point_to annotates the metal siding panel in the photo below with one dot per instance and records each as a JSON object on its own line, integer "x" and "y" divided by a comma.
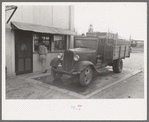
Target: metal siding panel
{"x": 18, "y": 14}
{"x": 36, "y": 14}
{"x": 43, "y": 15}
{"x": 27, "y": 14}
{"x": 47, "y": 15}
{"x": 61, "y": 16}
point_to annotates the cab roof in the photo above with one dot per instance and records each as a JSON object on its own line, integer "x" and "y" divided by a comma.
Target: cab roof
{"x": 90, "y": 37}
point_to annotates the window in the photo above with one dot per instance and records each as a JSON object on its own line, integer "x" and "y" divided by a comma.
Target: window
{"x": 46, "y": 41}
{"x": 44, "y": 37}
{"x": 86, "y": 44}
{"x": 35, "y": 42}
{"x": 110, "y": 41}
{"x": 60, "y": 42}
{"x": 52, "y": 42}
{"x": 103, "y": 41}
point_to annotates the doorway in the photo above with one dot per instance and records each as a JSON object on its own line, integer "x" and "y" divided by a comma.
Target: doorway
{"x": 23, "y": 52}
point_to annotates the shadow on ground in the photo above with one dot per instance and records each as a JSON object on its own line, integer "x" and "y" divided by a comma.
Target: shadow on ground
{"x": 71, "y": 83}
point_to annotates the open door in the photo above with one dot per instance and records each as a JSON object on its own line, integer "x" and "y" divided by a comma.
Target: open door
{"x": 23, "y": 52}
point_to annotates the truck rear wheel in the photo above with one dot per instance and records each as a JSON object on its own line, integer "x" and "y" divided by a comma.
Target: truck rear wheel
{"x": 56, "y": 75}
{"x": 118, "y": 66}
{"x": 86, "y": 76}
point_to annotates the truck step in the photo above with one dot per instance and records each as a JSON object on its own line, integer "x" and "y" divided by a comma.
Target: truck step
{"x": 101, "y": 70}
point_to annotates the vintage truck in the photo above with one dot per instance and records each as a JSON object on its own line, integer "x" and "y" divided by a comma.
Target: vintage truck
{"x": 90, "y": 53}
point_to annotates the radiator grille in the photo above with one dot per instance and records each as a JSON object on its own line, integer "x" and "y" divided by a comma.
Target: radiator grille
{"x": 68, "y": 60}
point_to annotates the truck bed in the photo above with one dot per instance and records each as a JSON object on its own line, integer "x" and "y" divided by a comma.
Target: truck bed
{"x": 110, "y": 48}
{"x": 118, "y": 51}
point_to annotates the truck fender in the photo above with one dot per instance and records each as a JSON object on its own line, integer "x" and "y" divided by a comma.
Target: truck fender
{"x": 80, "y": 66}
{"x": 54, "y": 62}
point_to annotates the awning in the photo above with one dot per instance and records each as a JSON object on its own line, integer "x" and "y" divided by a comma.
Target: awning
{"x": 40, "y": 28}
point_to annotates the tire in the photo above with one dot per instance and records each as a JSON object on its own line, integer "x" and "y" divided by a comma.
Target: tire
{"x": 56, "y": 75}
{"x": 86, "y": 76}
{"x": 114, "y": 69}
{"x": 118, "y": 66}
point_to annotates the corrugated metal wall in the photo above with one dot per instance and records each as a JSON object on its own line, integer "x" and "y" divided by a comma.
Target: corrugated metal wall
{"x": 54, "y": 16}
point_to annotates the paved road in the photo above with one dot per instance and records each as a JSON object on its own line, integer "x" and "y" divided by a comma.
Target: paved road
{"x": 132, "y": 87}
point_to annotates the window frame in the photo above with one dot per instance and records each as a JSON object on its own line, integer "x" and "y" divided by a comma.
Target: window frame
{"x": 65, "y": 39}
{"x": 51, "y": 42}
{"x": 47, "y": 35}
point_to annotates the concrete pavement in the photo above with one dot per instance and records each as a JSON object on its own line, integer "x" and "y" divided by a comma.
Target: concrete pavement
{"x": 42, "y": 86}
{"x": 105, "y": 85}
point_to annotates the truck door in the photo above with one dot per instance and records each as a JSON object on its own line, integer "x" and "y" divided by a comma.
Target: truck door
{"x": 100, "y": 51}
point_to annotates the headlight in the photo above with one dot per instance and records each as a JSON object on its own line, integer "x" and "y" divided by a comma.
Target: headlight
{"x": 60, "y": 55}
{"x": 76, "y": 57}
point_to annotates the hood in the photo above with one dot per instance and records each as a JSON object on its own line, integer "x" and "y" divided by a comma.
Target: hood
{"x": 82, "y": 50}
{"x": 84, "y": 53}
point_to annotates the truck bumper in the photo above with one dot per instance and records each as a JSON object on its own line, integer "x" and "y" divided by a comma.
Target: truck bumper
{"x": 72, "y": 72}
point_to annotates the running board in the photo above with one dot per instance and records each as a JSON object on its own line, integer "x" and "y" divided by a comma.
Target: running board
{"x": 101, "y": 70}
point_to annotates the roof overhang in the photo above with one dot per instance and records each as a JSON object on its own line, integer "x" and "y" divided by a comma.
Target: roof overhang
{"x": 10, "y": 7}
{"x": 40, "y": 28}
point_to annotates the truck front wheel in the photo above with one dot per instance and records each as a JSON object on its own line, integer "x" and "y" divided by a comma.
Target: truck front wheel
{"x": 86, "y": 76}
{"x": 118, "y": 66}
{"x": 56, "y": 75}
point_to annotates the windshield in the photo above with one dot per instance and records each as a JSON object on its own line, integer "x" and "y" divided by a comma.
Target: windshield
{"x": 86, "y": 44}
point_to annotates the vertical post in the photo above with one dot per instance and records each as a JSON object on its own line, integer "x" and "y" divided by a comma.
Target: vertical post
{"x": 71, "y": 24}
{"x": 52, "y": 15}
{"x": 52, "y": 43}
{"x": 67, "y": 41}
{"x": 112, "y": 54}
{"x": 119, "y": 52}
{"x": 104, "y": 53}
{"x": 33, "y": 38}
{"x": 125, "y": 52}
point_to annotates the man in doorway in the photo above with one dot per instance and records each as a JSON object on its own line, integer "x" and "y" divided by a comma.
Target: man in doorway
{"x": 42, "y": 50}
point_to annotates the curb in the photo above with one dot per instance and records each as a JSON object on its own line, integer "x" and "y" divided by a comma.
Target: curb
{"x": 127, "y": 76}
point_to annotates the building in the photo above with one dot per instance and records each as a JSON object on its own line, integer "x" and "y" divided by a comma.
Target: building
{"x": 133, "y": 43}
{"x": 26, "y": 24}
{"x": 140, "y": 43}
{"x": 100, "y": 34}
{"x": 137, "y": 43}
